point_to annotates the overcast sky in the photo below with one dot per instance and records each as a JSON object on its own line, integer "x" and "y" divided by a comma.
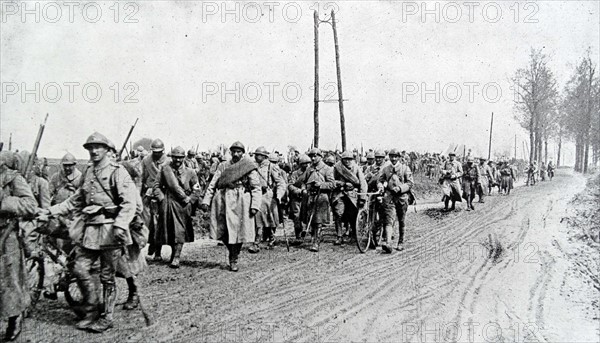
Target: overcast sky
{"x": 172, "y": 63}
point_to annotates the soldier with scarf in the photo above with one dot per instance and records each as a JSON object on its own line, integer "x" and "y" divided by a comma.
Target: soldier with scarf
{"x": 234, "y": 196}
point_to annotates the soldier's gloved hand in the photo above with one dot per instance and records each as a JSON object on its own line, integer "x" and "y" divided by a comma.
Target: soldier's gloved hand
{"x": 119, "y": 234}
{"x": 339, "y": 184}
{"x": 253, "y": 212}
{"x": 361, "y": 203}
{"x": 187, "y": 200}
{"x": 204, "y": 207}
{"x": 317, "y": 184}
{"x": 304, "y": 192}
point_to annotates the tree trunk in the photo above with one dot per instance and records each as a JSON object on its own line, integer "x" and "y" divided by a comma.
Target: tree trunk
{"x": 531, "y": 140}
{"x": 559, "y": 148}
{"x": 545, "y": 150}
{"x": 586, "y": 153}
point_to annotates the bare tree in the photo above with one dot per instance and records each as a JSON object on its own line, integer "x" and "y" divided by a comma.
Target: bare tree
{"x": 581, "y": 104}
{"x": 535, "y": 101}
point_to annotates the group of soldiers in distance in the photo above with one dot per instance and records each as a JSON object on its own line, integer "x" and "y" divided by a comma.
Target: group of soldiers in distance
{"x": 108, "y": 211}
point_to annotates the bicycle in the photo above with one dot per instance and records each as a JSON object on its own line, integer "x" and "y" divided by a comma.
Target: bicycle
{"x": 366, "y": 221}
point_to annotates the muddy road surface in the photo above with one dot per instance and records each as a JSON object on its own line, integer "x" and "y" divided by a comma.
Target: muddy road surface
{"x": 510, "y": 271}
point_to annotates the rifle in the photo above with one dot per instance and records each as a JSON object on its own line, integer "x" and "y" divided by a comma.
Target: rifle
{"x": 126, "y": 140}
{"x": 10, "y": 142}
{"x": 36, "y": 146}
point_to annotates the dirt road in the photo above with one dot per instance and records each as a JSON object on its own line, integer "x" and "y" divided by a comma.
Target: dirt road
{"x": 506, "y": 272}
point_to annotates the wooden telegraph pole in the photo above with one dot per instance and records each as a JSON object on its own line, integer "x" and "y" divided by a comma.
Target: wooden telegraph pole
{"x": 339, "y": 81}
{"x": 515, "y": 147}
{"x": 316, "y": 106}
{"x": 490, "y": 144}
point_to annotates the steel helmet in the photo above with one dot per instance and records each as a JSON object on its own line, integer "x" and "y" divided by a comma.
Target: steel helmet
{"x": 261, "y": 151}
{"x": 191, "y": 153}
{"x": 347, "y": 155}
{"x": 97, "y": 138}
{"x": 315, "y": 151}
{"x": 157, "y": 145}
{"x": 330, "y": 159}
{"x": 304, "y": 159}
{"x": 394, "y": 152}
{"x": 379, "y": 153}
{"x": 68, "y": 159}
{"x": 370, "y": 156}
{"x": 177, "y": 152}
{"x": 238, "y": 145}
{"x": 273, "y": 158}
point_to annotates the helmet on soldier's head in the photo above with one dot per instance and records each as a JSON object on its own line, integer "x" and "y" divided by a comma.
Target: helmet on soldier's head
{"x": 363, "y": 160}
{"x": 304, "y": 159}
{"x": 97, "y": 138}
{"x": 394, "y": 152}
{"x": 68, "y": 159}
{"x": 273, "y": 158}
{"x": 470, "y": 159}
{"x": 315, "y": 151}
{"x": 329, "y": 159}
{"x": 157, "y": 145}
{"x": 370, "y": 155}
{"x": 7, "y": 158}
{"x": 379, "y": 153}
{"x": 140, "y": 149}
{"x": 261, "y": 151}
{"x": 451, "y": 154}
{"x": 347, "y": 155}
{"x": 191, "y": 153}
{"x": 111, "y": 146}
{"x": 238, "y": 145}
{"x": 177, "y": 152}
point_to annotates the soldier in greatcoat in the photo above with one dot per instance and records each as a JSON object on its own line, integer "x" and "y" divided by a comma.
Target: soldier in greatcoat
{"x": 273, "y": 189}
{"x": 177, "y": 192}
{"x": 234, "y": 197}
{"x": 151, "y": 165}
{"x": 450, "y": 181}
{"x": 297, "y": 197}
{"x": 16, "y": 200}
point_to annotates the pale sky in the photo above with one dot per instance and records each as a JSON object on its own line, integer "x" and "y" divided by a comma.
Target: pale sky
{"x": 178, "y": 56}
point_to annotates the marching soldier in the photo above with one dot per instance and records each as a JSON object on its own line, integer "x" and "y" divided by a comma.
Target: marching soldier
{"x": 107, "y": 199}
{"x": 190, "y": 161}
{"x": 396, "y": 181}
{"x": 297, "y": 196}
{"x": 66, "y": 181}
{"x": 349, "y": 179}
{"x": 318, "y": 182}
{"x": 469, "y": 182}
{"x": 273, "y": 190}
{"x": 485, "y": 178}
{"x": 16, "y": 200}
{"x": 329, "y": 160}
{"x": 372, "y": 173}
{"x": 151, "y": 165}
{"x": 234, "y": 196}
{"x": 450, "y": 181}
{"x": 176, "y": 189}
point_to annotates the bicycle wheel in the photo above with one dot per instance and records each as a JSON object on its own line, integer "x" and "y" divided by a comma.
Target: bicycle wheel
{"x": 35, "y": 278}
{"x": 363, "y": 230}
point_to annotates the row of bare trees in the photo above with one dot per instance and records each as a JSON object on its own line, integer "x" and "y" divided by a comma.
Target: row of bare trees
{"x": 550, "y": 115}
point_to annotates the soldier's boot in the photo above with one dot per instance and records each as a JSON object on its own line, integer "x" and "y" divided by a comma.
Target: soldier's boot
{"x": 446, "y": 201}
{"x": 106, "y": 320}
{"x": 175, "y": 255}
{"x": 157, "y": 253}
{"x": 255, "y": 248}
{"x": 316, "y": 239}
{"x": 88, "y": 291}
{"x": 133, "y": 299}
{"x": 13, "y": 330}
{"x": 338, "y": 232}
{"x": 270, "y": 237}
{"x": 388, "y": 246}
{"x": 233, "y": 257}
{"x": 453, "y": 207}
